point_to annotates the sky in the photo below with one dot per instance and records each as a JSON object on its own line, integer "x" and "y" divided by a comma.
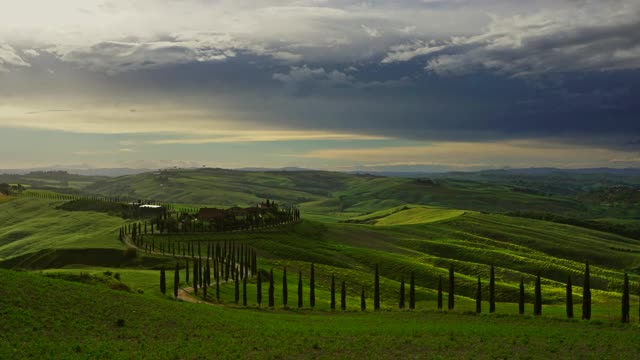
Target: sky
{"x": 409, "y": 85}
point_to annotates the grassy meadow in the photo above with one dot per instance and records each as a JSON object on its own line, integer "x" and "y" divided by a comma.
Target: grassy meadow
{"x": 99, "y": 322}
{"x": 351, "y": 223}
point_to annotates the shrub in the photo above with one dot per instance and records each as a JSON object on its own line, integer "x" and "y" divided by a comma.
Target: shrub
{"x": 130, "y": 252}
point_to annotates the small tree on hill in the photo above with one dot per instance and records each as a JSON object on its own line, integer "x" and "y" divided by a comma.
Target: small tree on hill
{"x": 625, "y": 299}
{"x": 163, "y": 284}
{"x": 492, "y": 290}
{"x": 244, "y": 291}
{"x": 479, "y": 297}
{"x": 521, "y": 297}
{"x": 343, "y": 297}
{"x": 333, "y": 292}
{"x": 363, "y": 301}
{"x": 451, "y": 299}
{"x": 376, "y": 290}
{"x": 537, "y": 306}
{"x": 272, "y": 302}
{"x": 440, "y": 292}
{"x": 176, "y": 281}
{"x": 312, "y": 288}
{"x": 401, "y": 302}
{"x": 412, "y": 291}
{"x": 569, "y": 298}
{"x": 259, "y": 290}
{"x": 299, "y": 289}
{"x": 586, "y": 294}
{"x": 285, "y": 290}
{"x": 237, "y": 288}
{"x": 195, "y": 276}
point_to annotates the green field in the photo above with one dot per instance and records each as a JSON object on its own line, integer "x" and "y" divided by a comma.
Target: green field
{"x": 88, "y": 328}
{"x": 351, "y": 224}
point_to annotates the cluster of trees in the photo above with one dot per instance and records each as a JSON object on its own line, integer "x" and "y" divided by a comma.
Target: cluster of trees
{"x": 10, "y": 189}
{"x": 537, "y": 303}
{"x": 184, "y": 223}
{"x": 224, "y": 262}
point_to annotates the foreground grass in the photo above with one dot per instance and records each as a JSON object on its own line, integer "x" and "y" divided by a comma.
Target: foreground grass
{"x": 34, "y": 326}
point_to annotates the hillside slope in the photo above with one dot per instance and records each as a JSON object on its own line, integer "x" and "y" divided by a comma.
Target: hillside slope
{"x": 98, "y": 322}
{"x": 325, "y": 193}
{"x": 29, "y": 225}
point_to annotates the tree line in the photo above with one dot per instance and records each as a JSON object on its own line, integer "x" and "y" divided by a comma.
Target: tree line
{"x": 402, "y": 301}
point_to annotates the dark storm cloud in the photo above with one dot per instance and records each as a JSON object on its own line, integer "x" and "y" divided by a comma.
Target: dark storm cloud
{"x": 427, "y": 70}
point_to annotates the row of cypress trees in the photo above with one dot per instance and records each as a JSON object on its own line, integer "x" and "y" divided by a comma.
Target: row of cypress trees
{"x": 537, "y": 305}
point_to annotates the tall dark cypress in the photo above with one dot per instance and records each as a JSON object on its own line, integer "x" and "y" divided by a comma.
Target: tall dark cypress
{"x": 401, "y": 302}
{"x": 537, "y": 306}
{"x": 492, "y": 290}
{"x": 217, "y": 285}
{"x": 195, "y": 276}
{"x": 569, "y": 298}
{"x": 176, "y": 281}
{"x": 363, "y": 301}
{"x": 244, "y": 291}
{"x": 259, "y": 290}
{"x": 343, "y": 297}
{"x": 312, "y": 288}
{"x": 163, "y": 284}
{"x": 451, "y": 298}
{"x": 625, "y": 299}
{"x": 186, "y": 267}
{"x": 479, "y": 297}
{"x": 237, "y": 289}
{"x": 586, "y": 294}
{"x": 376, "y": 290}
{"x": 272, "y": 302}
{"x": 412, "y": 291}
{"x": 285, "y": 289}
{"x": 299, "y": 289}
{"x": 333, "y": 292}
{"x": 440, "y": 292}
{"x": 521, "y": 297}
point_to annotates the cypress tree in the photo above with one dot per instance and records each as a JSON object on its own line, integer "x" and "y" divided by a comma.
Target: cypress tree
{"x": 218, "y": 288}
{"x": 312, "y": 288}
{"x": 333, "y": 292}
{"x": 237, "y": 289}
{"x": 492, "y": 291}
{"x": 176, "y": 281}
{"x": 163, "y": 285}
{"x": 204, "y": 292}
{"x": 285, "y": 290}
{"x": 537, "y": 306}
{"x": 244, "y": 291}
{"x": 586, "y": 294}
{"x": 521, "y": 297}
{"x": 479, "y": 297}
{"x": 401, "y": 303}
{"x": 259, "y": 290}
{"x": 440, "y": 292}
{"x": 363, "y": 301}
{"x": 343, "y": 297}
{"x": 299, "y": 289}
{"x": 271, "y": 290}
{"x": 569, "y": 298}
{"x": 376, "y": 290}
{"x": 451, "y": 298}
{"x": 625, "y": 299}
{"x": 412, "y": 291}
{"x": 195, "y": 276}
